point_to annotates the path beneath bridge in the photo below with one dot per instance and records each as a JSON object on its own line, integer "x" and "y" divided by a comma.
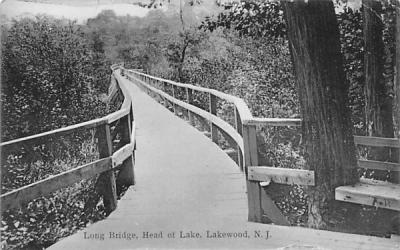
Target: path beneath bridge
{"x": 185, "y": 183}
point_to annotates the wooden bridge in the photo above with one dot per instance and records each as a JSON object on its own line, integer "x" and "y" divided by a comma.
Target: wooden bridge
{"x": 187, "y": 192}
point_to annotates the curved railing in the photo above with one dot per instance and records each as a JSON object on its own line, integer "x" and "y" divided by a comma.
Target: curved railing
{"x": 122, "y": 159}
{"x": 242, "y": 134}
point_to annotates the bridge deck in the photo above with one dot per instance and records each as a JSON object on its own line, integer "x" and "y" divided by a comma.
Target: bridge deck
{"x": 185, "y": 183}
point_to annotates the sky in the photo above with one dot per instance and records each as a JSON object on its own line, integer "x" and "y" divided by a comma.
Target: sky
{"x": 12, "y": 8}
{"x": 82, "y": 10}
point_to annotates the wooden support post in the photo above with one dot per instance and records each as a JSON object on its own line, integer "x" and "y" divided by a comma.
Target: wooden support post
{"x": 213, "y": 110}
{"x": 105, "y": 184}
{"x": 239, "y": 129}
{"x": 126, "y": 174}
{"x": 260, "y": 204}
{"x": 189, "y": 100}
{"x": 251, "y": 159}
{"x": 165, "y": 91}
{"x": 173, "y": 95}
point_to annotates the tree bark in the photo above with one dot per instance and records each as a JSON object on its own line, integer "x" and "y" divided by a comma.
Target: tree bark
{"x": 328, "y": 144}
{"x": 378, "y": 104}
{"x": 397, "y": 84}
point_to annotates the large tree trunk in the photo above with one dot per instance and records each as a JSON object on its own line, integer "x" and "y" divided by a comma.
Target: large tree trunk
{"x": 327, "y": 129}
{"x": 378, "y": 103}
{"x": 397, "y": 84}
{"x": 397, "y": 71}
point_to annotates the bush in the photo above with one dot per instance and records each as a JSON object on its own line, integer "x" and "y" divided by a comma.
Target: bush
{"x": 52, "y": 76}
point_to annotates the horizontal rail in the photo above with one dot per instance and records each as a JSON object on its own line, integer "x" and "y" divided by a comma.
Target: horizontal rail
{"x": 221, "y": 124}
{"x": 369, "y": 164}
{"x": 117, "y": 115}
{"x": 377, "y": 141}
{"x": 282, "y": 175}
{"x": 70, "y": 129}
{"x": 58, "y": 132}
{"x": 274, "y": 121}
{"x": 18, "y": 197}
{"x": 122, "y": 154}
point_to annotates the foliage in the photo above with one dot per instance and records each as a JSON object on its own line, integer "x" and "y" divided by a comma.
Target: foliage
{"x": 48, "y": 78}
{"x": 252, "y": 19}
{"x": 53, "y": 75}
{"x": 352, "y": 43}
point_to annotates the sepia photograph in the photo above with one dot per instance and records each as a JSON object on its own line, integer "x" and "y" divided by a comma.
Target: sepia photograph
{"x": 200, "y": 124}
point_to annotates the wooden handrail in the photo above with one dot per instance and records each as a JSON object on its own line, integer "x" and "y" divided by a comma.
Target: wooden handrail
{"x": 244, "y": 135}
{"x": 377, "y": 141}
{"x": 58, "y": 132}
{"x": 260, "y": 205}
{"x": 200, "y": 112}
{"x": 242, "y": 107}
{"x": 106, "y": 184}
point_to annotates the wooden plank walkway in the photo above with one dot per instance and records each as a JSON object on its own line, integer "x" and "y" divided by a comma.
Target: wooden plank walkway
{"x": 186, "y": 186}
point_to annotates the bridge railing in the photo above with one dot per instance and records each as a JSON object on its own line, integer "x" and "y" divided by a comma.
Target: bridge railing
{"x": 242, "y": 134}
{"x": 122, "y": 159}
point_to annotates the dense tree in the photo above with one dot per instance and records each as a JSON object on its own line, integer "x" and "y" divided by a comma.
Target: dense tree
{"x": 326, "y": 127}
{"x": 47, "y": 77}
{"x": 251, "y": 18}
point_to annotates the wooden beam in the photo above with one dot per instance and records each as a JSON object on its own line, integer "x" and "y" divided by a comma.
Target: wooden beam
{"x": 372, "y": 193}
{"x": 121, "y": 155}
{"x": 106, "y": 184}
{"x": 213, "y": 110}
{"x": 377, "y": 141}
{"x": 189, "y": 100}
{"x": 259, "y": 203}
{"x": 369, "y": 164}
{"x": 230, "y": 151}
{"x": 20, "y": 196}
{"x": 253, "y": 188}
{"x": 124, "y": 155}
{"x": 174, "y": 96}
{"x": 239, "y": 127}
{"x": 282, "y": 175}
{"x": 117, "y": 115}
{"x": 271, "y": 211}
{"x": 57, "y": 132}
{"x": 274, "y": 122}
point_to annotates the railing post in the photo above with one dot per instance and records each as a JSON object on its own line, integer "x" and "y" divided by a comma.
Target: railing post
{"x": 189, "y": 100}
{"x": 213, "y": 110}
{"x": 126, "y": 175}
{"x": 105, "y": 184}
{"x": 173, "y": 95}
{"x": 239, "y": 129}
{"x": 261, "y": 207}
{"x": 251, "y": 159}
{"x": 165, "y": 91}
